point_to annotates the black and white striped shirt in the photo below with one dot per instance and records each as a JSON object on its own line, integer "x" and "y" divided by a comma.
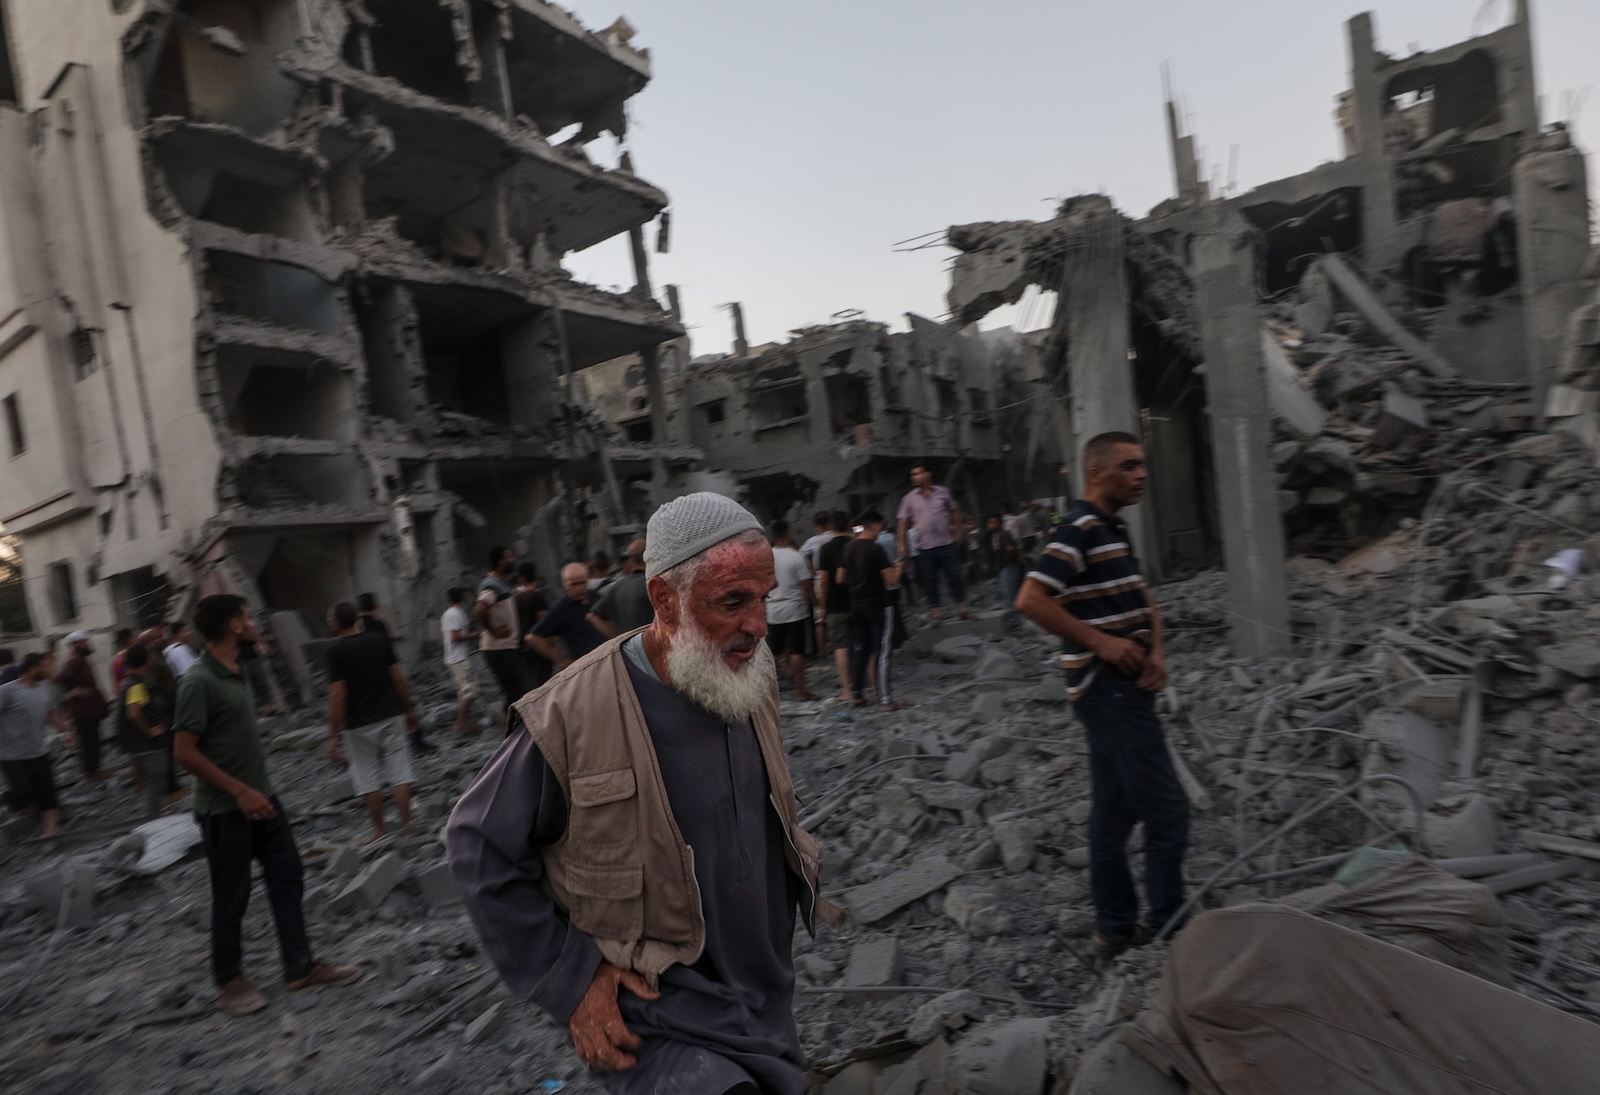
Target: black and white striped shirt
{"x": 1090, "y": 567}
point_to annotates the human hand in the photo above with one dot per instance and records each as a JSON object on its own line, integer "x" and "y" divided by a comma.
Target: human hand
{"x": 256, "y": 806}
{"x": 600, "y": 1037}
{"x": 1124, "y": 655}
{"x": 1154, "y": 676}
{"x": 335, "y": 753}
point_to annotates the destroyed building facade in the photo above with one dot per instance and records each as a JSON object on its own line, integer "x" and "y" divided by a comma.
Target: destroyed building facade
{"x": 836, "y": 417}
{"x": 284, "y": 309}
{"x": 1455, "y": 225}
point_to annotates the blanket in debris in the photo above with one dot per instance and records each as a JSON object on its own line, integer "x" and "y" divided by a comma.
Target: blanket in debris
{"x": 1263, "y": 999}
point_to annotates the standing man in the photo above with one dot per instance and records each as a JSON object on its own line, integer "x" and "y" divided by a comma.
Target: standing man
{"x": 932, "y": 511}
{"x": 370, "y": 621}
{"x": 142, "y": 718}
{"x": 179, "y": 656}
{"x": 531, "y": 607}
{"x": 867, "y": 572}
{"x": 28, "y": 706}
{"x": 567, "y": 621}
{"x": 624, "y": 605}
{"x": 456, "y": 630}
{"x": 835, "y": 598}
{"x": 822, "y": 522}
{"x": 369, "y": 714}
{"x": 241, "y": 818}
{"x": 1086, "y": 587}
{"x": 500, "y": 634}
{"x": 1002, "y": 558}
{"x": 86, "y": 704}
{"x": 632, "y": 856}
{"x": 789, "y": 605}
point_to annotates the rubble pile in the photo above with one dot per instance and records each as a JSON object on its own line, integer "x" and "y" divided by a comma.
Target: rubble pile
{"x": 1446, "y": 655}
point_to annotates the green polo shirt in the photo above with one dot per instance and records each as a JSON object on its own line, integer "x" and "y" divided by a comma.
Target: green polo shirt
{"x": 215, "y": 705}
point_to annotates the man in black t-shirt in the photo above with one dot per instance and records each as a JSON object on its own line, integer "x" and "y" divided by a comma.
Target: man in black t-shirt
{"x": 568, "y": 621}
{"x": 835, "y": 599}
{"x": 867, "y": 573}
{"x": 369, "y": 713}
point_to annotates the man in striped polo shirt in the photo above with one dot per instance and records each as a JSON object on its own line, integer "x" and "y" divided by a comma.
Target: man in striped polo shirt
{"x": 1086, "y": 587}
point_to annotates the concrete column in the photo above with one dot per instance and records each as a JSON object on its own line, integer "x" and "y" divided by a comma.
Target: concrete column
{"x": 641, "y": 261}
{"x": 651, "y": 357}
{"x": 1378, "y": 218}
{"x": 1550, "y": 186}
{"x": 1100, "y": 374}
{"x": 1241, "y": 434}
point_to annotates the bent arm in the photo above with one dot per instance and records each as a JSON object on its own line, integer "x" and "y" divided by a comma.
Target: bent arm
{"x": 186, "y": 751}
{"x": 513, "y": 809}
{"x": 1036, "y": 603}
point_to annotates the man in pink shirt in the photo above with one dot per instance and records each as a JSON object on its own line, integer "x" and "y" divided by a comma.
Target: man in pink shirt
{"x": 932, "y": 511}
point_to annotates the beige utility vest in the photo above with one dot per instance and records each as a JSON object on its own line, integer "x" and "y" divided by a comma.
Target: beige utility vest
{"x": 622, "y": 872}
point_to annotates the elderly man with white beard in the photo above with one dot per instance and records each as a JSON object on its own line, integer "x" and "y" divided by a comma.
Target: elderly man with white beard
{"x": 633, "y": 858}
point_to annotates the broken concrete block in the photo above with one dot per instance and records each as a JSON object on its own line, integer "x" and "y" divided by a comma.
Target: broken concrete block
{"x": 1580, "y": 659}
{"x": 485, "y": 1025}
{"x": 439, "y": 1076}
{"x": 1016, "y": 839}
{"x": 1402, "y": 417}
{"x": 372, "y": 885}
{"x": 981, "y": 858}
{"x": 1111, "y": 1068}
{"x": 1437, "y": 700}
{"x": 1469, "y": 832}
{"x": 989, "y": 708}
{"x": 962, "y": 768}
{"x": 977, "y": 911}
{"x": 438, "y": 886}
{"x": 345, "y": 863}
{"x": 875, "y": 962}
{"x": 995, "y": 665}
{"x": 64, "y": 884}
{"x": 949, "y": 796}
{"x": 873, "y": 901}
{"x": 1002, "y": 1058}
{"x": 1076, "y": 858}
{"x": 947, "y": 1011}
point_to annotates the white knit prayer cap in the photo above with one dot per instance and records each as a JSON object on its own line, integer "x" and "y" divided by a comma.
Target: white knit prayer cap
{"x": 686, "y": 526}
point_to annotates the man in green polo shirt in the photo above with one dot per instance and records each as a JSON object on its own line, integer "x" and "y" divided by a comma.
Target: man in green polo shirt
{"x": 215, "y": 737}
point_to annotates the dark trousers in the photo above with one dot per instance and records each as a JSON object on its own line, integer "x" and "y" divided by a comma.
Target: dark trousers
{"x": 1010, "y": 579}
{"x": 939, "y": 562}
{"x": 231, "y": 842}
{"x": 510, "y": 671}
{"x": 1132, "y": 780}
{"x": 871, "y": 633}
{"x": 88, "y": 744}
{"x": 30, "y": 784}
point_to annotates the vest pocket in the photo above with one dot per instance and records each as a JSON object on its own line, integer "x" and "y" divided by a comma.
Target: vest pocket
{"x": 608, "y": 901}
{"x": 604, "y": 811}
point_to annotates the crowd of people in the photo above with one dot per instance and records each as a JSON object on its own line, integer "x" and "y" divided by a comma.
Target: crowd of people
{"x": 631, "y": 855}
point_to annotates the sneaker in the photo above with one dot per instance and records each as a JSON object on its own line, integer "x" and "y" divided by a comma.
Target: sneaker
{"x": 1108, "y": 945}
{"x": 324, "y": 975}
{"x": 239, "y": 997}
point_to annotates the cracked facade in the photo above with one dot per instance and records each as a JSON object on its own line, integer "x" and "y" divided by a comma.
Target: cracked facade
{"x": 284, "y": 309}
{"x": 1453, "y": 214}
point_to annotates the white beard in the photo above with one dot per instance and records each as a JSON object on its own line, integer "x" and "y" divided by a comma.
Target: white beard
{"x": 699, "y": 670}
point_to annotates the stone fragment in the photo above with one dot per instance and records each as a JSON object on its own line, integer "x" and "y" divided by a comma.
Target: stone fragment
{"x": 989, "y": 708}
{"x": 994, "y": 664}
{"x": 1002, "y": 1058}
{"x": 958, "y": 648}
{"x": 962, "y": 768}
{"x": 977, "y": 911}
{"x": 1241, "y": 678}
{"x": 875, "y": 900}
{"x": 981, "y": 858}
{"x": 346, "y": 862}
{"x": 372, "y": 886}
{"x": 1402, "y": 417}
{"x": 947, "y": 1011}
{"x": 1016, "y": 839}
{"x": 481, "y": 1028}
{"x": 875, "y": 962}
{"x": 1076, "y": 858}
{"x": 64, "y": 883}
{"x": 439, "y": 1076}
{"x": 438, "y": 886}
{"x": 1580, "y": 659}
{"x": 1469, "y": 832}
{"x": 949, "y": 796}
{"x": 1438, "y": 700}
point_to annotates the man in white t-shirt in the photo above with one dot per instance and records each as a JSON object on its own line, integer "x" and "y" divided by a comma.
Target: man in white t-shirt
{"x": 812, "y": 550}
{"x": 456, "y": 629}
{"x": 789, "y": 606}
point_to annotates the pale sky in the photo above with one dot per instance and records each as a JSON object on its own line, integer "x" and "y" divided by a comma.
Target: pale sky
{"x": 800, "y": 141}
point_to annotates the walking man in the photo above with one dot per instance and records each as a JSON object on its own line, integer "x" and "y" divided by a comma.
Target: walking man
{"x": 531, "y": 607}
{"x": 457, "y": 632}
{"x": 867, "y": 573}
{"x": 1002, "y": 559}
{"x": 1086, "y": 587}
{"x": 834, "y": 597}
{"x": 369, "y": 715}
{"x": 499, "y": 634}
{"x": 142, "y": 718}
{"x": 567, "y": 623}
{"x": 624, "y": 605}
{"x": 85, "y": 703}
{"x": 822, "y": 522}
{"x": 28, "y": 707}
{"x": 179, "y": 656}
{"x": 632, "y": 856}
{"x": 241, "y": 818}
{"x": 789, "y": 605}
{"x": 931, "y": 510}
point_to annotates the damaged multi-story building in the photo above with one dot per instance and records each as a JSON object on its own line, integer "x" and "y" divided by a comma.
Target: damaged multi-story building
{"x": 837, "y": 416}
{"x": 1456, "y": 225}
{"x": 284, "y": 306}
